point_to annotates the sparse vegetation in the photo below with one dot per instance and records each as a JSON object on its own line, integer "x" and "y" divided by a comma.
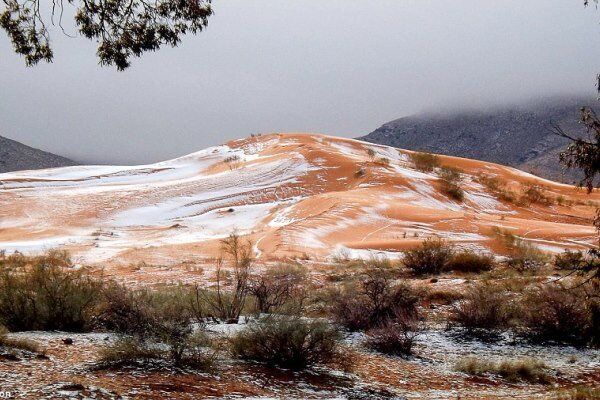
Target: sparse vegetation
{"x": 497, "y": 187}
{"x": 469, "y": 261}
{"x": 424, "y": 162}
{"x": 287, "y": 342}
{"x": 552, "y": 312}
{"x": 16, "y": 344}
{"x": 377, "y": 302}
{"x": 526, "y": 369}
{"x": 222, "y": 304}
{"x": 45, "y": 293}
{"x": 523, "y": 256}
{"x": 432, "y": 257}
{"x": 395, "y": 338}
{"x": 278, "y": 288}
{"x": 450, "y": 183}
{"x": 483, "y": 312}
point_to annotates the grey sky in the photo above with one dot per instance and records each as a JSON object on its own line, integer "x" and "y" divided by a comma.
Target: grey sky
{"x": 341, "y": 67}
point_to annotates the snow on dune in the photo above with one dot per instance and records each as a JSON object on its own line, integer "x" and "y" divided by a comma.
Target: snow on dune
{"x": 271, "y": 187}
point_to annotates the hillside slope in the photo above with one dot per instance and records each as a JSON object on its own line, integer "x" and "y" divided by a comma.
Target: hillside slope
{"x": 15, "y": 156}
{"x": 293, "y": 195}
{"x": 520, "y": 136}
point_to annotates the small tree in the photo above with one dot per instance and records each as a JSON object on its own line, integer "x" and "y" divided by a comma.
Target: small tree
{"x": 229, "y": 305}
{"x": 278, "y": 286}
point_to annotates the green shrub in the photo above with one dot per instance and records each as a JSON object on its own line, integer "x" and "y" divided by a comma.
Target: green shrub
{"x": 424, "y": 162}
{"x": 432, "y": 257}
{"x": 469, "y": 261}
{"x": 42, "y": 293}
{"x": 287, "y": 342}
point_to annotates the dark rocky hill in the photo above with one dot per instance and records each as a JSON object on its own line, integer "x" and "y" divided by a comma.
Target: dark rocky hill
{"x": 520, "y": 136}
{"x": 15, "y": 156}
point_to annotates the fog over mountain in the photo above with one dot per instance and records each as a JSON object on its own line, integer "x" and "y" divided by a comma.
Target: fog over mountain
{"x": 521, "y": 135}
{"x": 340, "y": 67}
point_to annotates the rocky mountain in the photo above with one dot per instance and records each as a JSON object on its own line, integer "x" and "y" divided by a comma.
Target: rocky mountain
{"x": 292, "y": 195}
{"x": 15, "y": 156}
{"x": 520, "y": 136}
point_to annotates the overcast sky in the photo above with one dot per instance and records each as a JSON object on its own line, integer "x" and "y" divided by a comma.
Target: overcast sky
{"x": 341, "y": 67}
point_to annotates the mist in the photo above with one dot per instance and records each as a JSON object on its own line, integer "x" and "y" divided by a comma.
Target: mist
{"x": 340, "y": 67}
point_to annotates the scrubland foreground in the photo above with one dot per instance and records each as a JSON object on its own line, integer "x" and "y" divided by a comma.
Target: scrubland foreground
{"x": 443, "y": 323}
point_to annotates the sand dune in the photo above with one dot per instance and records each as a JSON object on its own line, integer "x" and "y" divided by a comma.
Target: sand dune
{"x": 293, "y": 195}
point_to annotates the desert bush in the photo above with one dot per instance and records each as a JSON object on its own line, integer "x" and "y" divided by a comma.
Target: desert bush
{"x": 577, "y": 261}
{"x": 376, "y": 303}
{"x": 578, "y": 393}
{"x": 223, "y": 304}
{"x": 128, "y": 352}
{"x": 443, "y": 295}
{"x": 552, "y": 312}
{"x": 278, "y": 287}
{"x": 287, "y": 342}
{"x": 569, "y": 260}
{"x": 147, "y": 319}
{"x": 469, "y": 261}
{"x": 497, "y": 187}
{"x": 513, "y": 370}
{"x": 395, "y": 338}
{"x": 523, "y": 256}
{"x": 432, "y": 257}
{"x": 450, "y": 183}
{"x": 534, "y": 194}
{"x": 42, "y": 293}
{"x": 15, "y": 343}
{"x": 483, "y": 311}
{"x": 425, "y": 162}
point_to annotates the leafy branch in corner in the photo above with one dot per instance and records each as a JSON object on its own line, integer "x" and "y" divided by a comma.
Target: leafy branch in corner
{"x": 122, "y": 28}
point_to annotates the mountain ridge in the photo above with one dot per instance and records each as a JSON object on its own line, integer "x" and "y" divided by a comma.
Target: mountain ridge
{"x": 16, "y": 156}
{"x": 519, "y": 135}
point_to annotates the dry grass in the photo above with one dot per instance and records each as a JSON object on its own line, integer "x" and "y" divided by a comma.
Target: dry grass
{"x": 513, "y": 370}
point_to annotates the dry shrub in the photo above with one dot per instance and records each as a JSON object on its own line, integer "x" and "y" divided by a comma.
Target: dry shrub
{"x": 483, "y": 312}
{"x": 443, "y": 295}
{"x": 579, "y": 393}
{"x": 223, "y": 304}
{"x": 287, "y": 342}
{"x": 534, "y": 194}
{"x": 18, "y": 344}
{"x": 424, "y": 162}
{"x": 450, "y": 183}
{"x": 376, "y": 303}
{"x": 552, "y": 312}
{"x": 128, "y": 352}
{"x": 42, "y": 293}
{"x": 395, "y": 338}
{"x": 577, "y": 261}
{"x": 432, "y": 257}
{"x": 516, "y": 370}
{"x": 278, "y": 288}
{"x": 497, "y": 187}
{"x": 523, "y": 256}
{"x": 469, "y": 261}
